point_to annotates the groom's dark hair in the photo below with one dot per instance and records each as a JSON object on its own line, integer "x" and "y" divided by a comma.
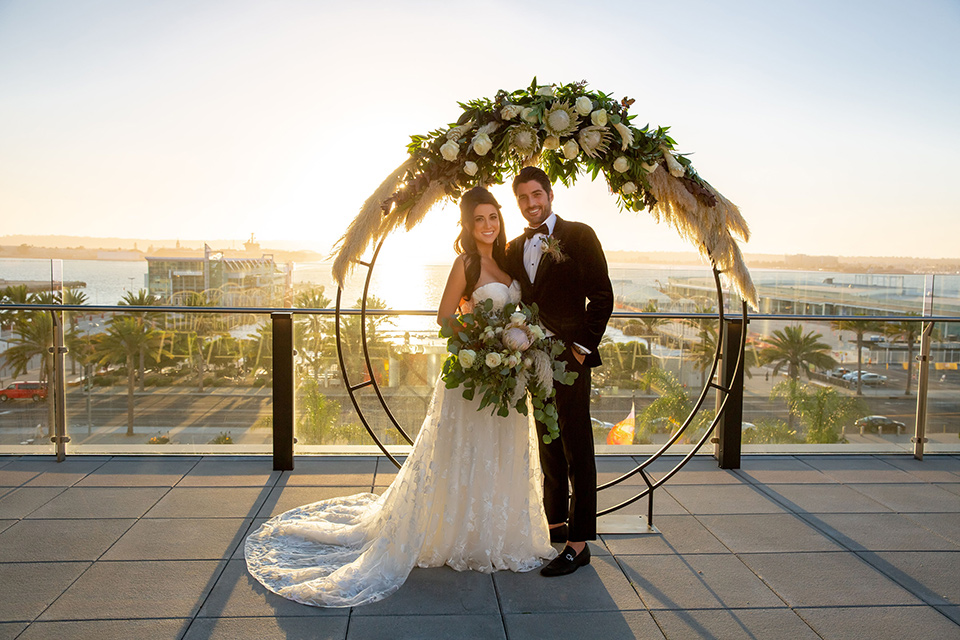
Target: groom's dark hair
{"x": 532, "y": 173}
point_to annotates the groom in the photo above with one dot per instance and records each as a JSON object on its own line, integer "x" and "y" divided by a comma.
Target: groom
{"x": 561, "y": 267}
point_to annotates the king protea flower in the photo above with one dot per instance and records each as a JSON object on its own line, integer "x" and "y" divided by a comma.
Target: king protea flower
{"x": 523, "y": 139}
{"x": 594, "y": 140}
{"x": 560, "y": 119}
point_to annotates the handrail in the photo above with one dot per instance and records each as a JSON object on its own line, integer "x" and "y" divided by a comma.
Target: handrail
{"x": 433, "y": 312}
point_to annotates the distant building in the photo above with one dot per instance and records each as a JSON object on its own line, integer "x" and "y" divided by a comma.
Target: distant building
{"x": 229, "y": 282}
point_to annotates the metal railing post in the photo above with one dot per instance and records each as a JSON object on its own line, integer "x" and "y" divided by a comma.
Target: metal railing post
{"x": 923, "y": 379}
{"x": 923, "y": 369}
{"x": 59, "y": 438}
{"x": 283, "y": 390}
{"x": 727, "y": 447}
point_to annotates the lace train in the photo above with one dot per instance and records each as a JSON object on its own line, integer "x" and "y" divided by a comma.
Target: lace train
{"x": 469, "y": 496}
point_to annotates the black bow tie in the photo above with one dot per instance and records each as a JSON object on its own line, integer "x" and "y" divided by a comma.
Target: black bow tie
{"x": 544, "y": 229}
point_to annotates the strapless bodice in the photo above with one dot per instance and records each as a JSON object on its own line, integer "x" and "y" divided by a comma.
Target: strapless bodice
{"x": 501, "y": 294}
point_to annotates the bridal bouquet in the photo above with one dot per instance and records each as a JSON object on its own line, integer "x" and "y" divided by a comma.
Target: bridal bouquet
{"x": 504, "y": 354}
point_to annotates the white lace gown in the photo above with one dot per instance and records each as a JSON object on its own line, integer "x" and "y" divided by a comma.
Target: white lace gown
{"x": 469, "y": 496}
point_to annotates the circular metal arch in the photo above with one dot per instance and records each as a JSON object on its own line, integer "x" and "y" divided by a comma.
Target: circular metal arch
{"x": 371, "y": 381}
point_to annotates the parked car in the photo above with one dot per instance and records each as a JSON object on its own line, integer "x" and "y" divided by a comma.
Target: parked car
{"x": 866, "y": 377}
{"x": 878, "y": 423}
{"x": 839, "y": 372}
{"x": 37, "y": 391}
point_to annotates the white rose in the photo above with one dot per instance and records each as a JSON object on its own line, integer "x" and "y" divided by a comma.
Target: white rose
{"x": 570, "y": 149}
{"x": 493, "y": 359}
{"x": 482, "y": 144}
{"x": 470, "y": 168}
{"x": 537, "y": 332}
{"x": 510, "y": 111}
{"x": 527, "y": 362}
{"x": 552, "y": 142}
{"x": 599, "y": 117}
{"x": 621, "y": 164}
{"x": 628, "y": 188}
{"x": 511, "y": 361}
{"x": 527, "y": 114}
{"x": 584, "y": 105}
{"x": 450, "y": 150}
{"x": 467, "y": 358}
{"x": 517, "y": 317}
{"x": 546, "y": 91}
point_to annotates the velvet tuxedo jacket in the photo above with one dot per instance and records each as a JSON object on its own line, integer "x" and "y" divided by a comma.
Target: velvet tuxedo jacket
{"x": 574, "y": 295}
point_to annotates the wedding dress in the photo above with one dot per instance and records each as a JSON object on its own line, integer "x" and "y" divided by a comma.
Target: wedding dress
{"x": 468, "y": 496}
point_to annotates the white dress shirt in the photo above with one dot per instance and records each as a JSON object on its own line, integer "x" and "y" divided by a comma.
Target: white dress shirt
{"x": 532, "y": 248}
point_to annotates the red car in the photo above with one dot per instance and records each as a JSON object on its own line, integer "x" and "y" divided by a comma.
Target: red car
{"x": 35, "y": 390}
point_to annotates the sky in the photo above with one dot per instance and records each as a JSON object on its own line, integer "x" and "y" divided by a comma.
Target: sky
{"x": 832, "y": 124}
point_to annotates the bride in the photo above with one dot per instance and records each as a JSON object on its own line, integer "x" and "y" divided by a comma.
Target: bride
{"x": 469, "y": 495}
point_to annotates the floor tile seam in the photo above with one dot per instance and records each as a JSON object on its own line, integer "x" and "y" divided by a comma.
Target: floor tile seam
{"x": 906, "y": 588}
{"x": 922, "y": 526}
{"x": 795, "y": 508}
{"x": 858, "y": 557}
{"x": 496, "y": 594}
{"x": 769, "y": 586}
{"x": 65, "y": 589}
{"x": 835, "y": 535}
{"x": 27, "y": 515}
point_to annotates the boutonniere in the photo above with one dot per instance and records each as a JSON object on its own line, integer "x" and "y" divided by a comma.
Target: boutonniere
{"x": 550, "y": 246}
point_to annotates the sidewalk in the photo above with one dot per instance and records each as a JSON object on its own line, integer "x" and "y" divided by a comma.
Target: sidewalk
{"x": 786, "y": 547}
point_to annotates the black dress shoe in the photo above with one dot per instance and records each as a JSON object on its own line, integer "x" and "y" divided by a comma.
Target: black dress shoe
{"x": 567, "y": 562}
{"x": 558, "y": 534}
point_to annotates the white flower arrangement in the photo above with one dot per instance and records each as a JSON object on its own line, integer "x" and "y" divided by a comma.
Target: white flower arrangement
{"x": 519, "y": 361}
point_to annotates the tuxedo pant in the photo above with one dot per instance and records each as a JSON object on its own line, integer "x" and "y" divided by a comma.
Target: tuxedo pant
{"x": 569, "y": 464}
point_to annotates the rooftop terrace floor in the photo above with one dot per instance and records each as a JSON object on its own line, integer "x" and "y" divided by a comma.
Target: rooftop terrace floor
{"x": 792, "y": 547}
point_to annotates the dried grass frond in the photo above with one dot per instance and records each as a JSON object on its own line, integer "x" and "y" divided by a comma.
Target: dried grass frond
{"x": 542, "y": 369}
{"x": 518, "y": 391}
{"x": 367, "y": 225}
{"x": 431, "y": 196}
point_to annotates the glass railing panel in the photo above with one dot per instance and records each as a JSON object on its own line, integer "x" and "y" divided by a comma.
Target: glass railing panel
{"x": 405, "y": 354}
{"x": 943, "y": 392}
{"x": 828, "y": 408}
{"x": 652, "y": 375}
{"x": 26, "y": 367}
{"x": 169, "y": 382}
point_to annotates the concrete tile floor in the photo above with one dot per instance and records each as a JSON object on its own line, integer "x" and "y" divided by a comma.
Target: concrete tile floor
{"x": 787, "y": 547}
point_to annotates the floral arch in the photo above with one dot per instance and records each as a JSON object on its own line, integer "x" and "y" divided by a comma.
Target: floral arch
{"x": 569, "y": 131}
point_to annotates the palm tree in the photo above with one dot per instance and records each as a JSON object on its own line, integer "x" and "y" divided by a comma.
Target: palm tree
{"x": 908, "y": 331}
{"x": 351, "y": 338}
{"x": 822, "y": 410}
{"x": 125, "y": 338}
{"x": 673, "y": 405}
{"x": 73, "y": 296}
{"x": 141, "y": 299}
{"x": 32, "y": 337}
{"x": 859, "y": 328}
{"x": 797, "y": 352}
{"x": 312, "y": 332}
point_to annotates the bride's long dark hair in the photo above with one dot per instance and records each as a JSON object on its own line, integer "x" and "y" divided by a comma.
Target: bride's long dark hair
{"x": 467, "y": 244}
